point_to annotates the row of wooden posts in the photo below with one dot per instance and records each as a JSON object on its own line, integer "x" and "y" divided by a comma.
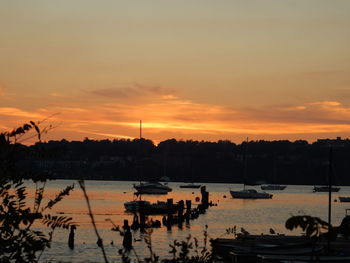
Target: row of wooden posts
{"x": 140, "y": 221}
{"x": 184, "y": 214}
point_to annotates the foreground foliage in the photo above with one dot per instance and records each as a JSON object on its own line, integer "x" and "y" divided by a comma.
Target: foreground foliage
{"x": 19, "y": 242}
{"x": 186, "y": 251}
{"x": 315, "y": 227}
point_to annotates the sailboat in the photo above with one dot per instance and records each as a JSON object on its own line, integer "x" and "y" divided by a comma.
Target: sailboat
{"x": 153, "y": 187}
{"x": 325, "y": 189}
{"x": 273, "y": 186}
{"x": 248, "y": 193}
{"x": 329, "y": 187}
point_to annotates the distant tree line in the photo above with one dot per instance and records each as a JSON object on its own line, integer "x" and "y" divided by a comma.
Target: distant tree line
{"x": 281, "y": 161}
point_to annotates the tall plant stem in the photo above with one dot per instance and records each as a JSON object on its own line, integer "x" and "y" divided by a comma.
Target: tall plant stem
{"x": 82, "y": 186}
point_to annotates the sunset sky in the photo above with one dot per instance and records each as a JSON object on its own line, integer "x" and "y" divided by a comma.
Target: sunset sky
{"x": 201, "y": 70}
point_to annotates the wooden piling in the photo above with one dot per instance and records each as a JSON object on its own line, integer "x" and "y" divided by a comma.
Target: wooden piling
{"x": 126, "y": 224}
{"x": 205, "y": 197}
{"x": 135, "y": 222}
{"x": 71, "y": 237}
{"x": 188, "y": 210}
{"x": 170, "y": 215}
{"x": 142, "y": 215}
{"x": 127, "y": 239}
{"x": 188, "y": 206}
{"x": 180, "y": 210}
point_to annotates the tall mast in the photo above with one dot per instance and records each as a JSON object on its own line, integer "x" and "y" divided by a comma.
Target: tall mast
{"x": 245, "y": 164}
{"x": 140, "y": 129}
{"x": 139, "y": 154}
{"x": 330, "y": 174}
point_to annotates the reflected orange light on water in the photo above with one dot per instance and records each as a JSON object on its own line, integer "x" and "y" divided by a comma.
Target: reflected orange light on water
{"x": 107, "y": 202}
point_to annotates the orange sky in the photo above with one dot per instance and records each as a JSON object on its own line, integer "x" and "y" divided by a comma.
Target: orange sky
{"x": 202, "y": 70}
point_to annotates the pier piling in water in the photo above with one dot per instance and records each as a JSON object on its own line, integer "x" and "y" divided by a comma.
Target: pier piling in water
{"x": 170, "y": 215}
{"x": 180, "y": 210}
{"x": 135, "y": 222}
{"x": 127, "y": 239}
{"x": 71, "y": 237}
{"x": 205, "y": 197}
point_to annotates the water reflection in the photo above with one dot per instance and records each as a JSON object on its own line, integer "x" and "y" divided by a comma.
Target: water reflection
{"x": 107, "y": 201}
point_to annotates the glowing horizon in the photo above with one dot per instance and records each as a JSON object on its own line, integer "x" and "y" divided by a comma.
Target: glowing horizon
{"x": 212, "y": 71}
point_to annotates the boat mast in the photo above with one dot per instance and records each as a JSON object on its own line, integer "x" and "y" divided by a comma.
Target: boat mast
{"x": 140, "y": 129}
{"x": 245, "y": 164}
{"x": 274, "y": 168}
{"x": 330, "y": 172}
{"x": 139, "y": 153}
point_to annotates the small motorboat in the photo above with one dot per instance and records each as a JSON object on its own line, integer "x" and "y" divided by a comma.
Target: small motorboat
{"x": 246, "y": 247}
{"x": 273, "y": 187}
{"x": 344, "y": 199}
{"x": 148, "y": 208}
{"x": 191, "y": 185}
{"x": 152, "y": 188}
{"x": 325, "y": 189}
{"x": 250, "y": 194}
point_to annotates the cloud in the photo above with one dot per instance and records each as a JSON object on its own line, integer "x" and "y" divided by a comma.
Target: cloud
{"x": 326, "y": 103}
{"x": 114, "y": 92}
{"x": 2, "y": 90}
{"x": 56, "y": 94}
{"x": 163, "y": 119}
{"x": 16, "y": 112}
{"x": 191, "y": 117}
{"x": 135, "y": 91}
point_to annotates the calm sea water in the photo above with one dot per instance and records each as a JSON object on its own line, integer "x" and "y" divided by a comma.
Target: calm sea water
{"x": 108, "y": 197}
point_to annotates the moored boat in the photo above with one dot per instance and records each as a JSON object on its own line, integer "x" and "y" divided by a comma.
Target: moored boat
{"x": 273, "y": 187}
{"x": 250, "y": 194}
{"x": 245, "y": 248}
{"x": 191, "y": 185}
{"x": 152, "y": 188}
{"x": 302, "y": 258}
{"x": 149, "y": 208}
{"x": 344, "y": 199}
{"x": 326, "y": 189}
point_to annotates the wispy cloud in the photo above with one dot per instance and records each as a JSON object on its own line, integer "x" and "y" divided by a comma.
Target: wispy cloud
{"x": 326, "y": 103}
{"x": 2, "y": 90}
{"x": 16, "y": 112}
{"x": 179, "y": 118}
{"x": 56, "y": 94}
{"x": 135, "y": 91}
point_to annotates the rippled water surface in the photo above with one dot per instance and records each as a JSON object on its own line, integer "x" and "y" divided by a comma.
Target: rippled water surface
{"x": 108, "y": 197}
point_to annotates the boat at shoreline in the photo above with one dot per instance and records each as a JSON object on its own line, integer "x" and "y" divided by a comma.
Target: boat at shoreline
{"x": 152, "y": 188}
{"x": 248, "y": 247}
{"x": 279, "y": 248}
